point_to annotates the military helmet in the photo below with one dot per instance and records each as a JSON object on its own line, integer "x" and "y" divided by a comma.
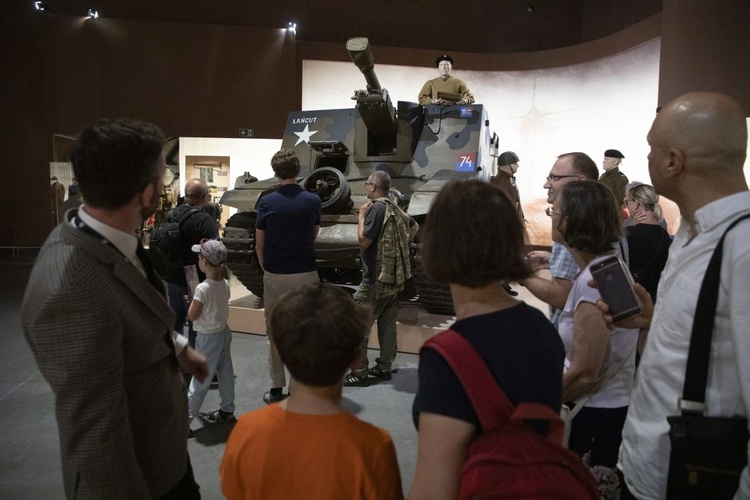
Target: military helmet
{"x": 507, "y": 158}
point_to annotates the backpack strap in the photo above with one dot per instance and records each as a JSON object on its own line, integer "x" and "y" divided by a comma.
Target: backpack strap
{"x": 185, "y": 215}
{"x": 492, "y": 406}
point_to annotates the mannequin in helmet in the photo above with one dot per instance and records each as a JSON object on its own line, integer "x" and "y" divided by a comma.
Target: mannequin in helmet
{"x": 612, "y": 177}
{"x": 507, "y": 165}
{"x": 445, "y": 84}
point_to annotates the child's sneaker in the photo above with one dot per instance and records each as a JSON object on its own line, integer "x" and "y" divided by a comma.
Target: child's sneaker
{"x": 220, "y": 416}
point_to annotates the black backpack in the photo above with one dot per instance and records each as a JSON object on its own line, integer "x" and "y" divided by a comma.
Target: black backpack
{"x": 165, "y": 246}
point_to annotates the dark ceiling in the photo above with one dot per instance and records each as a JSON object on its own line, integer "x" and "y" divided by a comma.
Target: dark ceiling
{"x": 478, "y": 26}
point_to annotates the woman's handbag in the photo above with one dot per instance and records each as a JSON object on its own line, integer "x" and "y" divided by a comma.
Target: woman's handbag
{"x": 708, "y": 453}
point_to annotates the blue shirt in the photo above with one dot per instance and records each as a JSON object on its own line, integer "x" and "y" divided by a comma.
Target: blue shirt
{"x": 289, "y": 216}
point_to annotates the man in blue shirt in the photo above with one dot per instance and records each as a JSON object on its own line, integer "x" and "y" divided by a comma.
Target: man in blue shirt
{"x": 285, "y": 232}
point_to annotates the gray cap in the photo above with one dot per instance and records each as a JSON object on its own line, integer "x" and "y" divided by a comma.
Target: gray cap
{"x": 213, "y": 251}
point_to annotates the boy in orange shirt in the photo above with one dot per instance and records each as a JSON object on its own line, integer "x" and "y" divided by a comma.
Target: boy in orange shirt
{"x": 308, "y": 445}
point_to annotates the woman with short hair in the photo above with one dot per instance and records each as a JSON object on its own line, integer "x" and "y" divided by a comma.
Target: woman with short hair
{"x": 600, "y": 363}
{"x": 474, "y": 241}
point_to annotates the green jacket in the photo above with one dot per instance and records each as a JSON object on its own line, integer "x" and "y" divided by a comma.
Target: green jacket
{"x": 394, "y": 266}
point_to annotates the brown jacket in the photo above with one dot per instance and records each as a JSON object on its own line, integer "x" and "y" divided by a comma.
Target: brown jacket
{"x": 101, "y": 335}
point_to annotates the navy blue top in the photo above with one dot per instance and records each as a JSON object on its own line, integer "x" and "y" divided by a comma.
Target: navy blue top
{"x": 649, "y": 248}
{"x": 522, "y": 350}
{"x": 289, "y": 216}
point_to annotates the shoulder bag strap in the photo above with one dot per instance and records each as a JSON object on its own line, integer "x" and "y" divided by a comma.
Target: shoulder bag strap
{"x": 490, "y": 402}
{"x": 696, "y": 373}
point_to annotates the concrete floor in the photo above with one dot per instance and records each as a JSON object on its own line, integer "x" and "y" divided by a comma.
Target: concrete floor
{"x": 29, "y": 447}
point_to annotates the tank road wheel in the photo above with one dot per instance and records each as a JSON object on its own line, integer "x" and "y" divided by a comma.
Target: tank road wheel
{"x": 239, "y": 238}
{"x": 434, "y": 297}
{"x": 332, "y": 187}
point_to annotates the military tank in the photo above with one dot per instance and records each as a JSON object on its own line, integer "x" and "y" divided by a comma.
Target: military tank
{"x": 421, "y": 147}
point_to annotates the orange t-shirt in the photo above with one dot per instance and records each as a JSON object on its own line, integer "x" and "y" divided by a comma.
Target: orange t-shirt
{"x": 274, "y": 453}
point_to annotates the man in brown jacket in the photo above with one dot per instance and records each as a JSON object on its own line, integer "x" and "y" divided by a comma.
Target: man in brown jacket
{"x": 96, "y": 317}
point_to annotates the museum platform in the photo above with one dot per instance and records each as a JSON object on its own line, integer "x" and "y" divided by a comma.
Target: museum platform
{"x": 414, "y": 325}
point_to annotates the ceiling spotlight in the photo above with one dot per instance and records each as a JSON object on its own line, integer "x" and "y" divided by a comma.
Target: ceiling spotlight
{"x": 41, "y": 6}
{"x": 530, "y": 9}
{"x": 291, "y": 26}
{"x": 93, "y": 14}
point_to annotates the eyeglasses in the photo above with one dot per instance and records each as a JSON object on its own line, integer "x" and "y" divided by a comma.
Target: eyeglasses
{"x": 555, "y": 178}
{"x": 368, "y": 183}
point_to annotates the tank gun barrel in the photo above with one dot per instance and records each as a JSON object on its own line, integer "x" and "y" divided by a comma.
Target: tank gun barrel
{"x": 361, "y": 53}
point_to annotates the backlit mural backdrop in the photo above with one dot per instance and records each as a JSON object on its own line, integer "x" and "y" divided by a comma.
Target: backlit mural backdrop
{"x": 539, "y": 114}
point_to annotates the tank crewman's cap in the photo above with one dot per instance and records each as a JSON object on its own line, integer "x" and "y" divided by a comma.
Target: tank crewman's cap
{"x": 613, "y": 153}
{"x": 444, "y": 57}
{"x": 213, "y": 251}
{"x": 507, "y": 158}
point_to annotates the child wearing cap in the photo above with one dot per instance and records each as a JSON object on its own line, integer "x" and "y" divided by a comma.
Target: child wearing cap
{"x": 209, "y": 311}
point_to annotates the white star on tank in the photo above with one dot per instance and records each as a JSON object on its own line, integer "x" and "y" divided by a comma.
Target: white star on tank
{"x": 305, "y": 135}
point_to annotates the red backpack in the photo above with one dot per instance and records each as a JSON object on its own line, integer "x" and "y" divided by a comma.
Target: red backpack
{"x": 509, "y": 459}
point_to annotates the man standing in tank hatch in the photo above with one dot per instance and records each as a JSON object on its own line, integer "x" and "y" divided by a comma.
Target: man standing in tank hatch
{"x": 445, "y": 89}
{"x": 384, "y": 232}
{"x": 285, "y": 232}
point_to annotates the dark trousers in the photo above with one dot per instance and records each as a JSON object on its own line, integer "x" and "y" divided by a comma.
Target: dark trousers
{"x": 179, "y": 305}
{"x": 186, "y": 489}
{"x": 598, "y": 430}
{"x": 625, "y": 493}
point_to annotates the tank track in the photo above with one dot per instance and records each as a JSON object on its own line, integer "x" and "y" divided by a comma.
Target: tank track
{"x": 434, "y": 297}
{"x": 239, "y": 238}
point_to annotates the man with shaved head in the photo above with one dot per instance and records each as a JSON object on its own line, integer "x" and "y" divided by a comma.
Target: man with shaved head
{"x": 195, "y": 226}
{"x": 698, "y": 146}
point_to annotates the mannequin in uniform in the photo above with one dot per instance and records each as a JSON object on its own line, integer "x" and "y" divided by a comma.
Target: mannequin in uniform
{"x": 507, "y": 165}
{"x": 612, "y": 177}
{"x": 445, "y": 83}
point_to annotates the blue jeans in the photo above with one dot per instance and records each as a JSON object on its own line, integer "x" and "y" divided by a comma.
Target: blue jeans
{"x": 217, "y": 349}
{"x": 179, "y": 304}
